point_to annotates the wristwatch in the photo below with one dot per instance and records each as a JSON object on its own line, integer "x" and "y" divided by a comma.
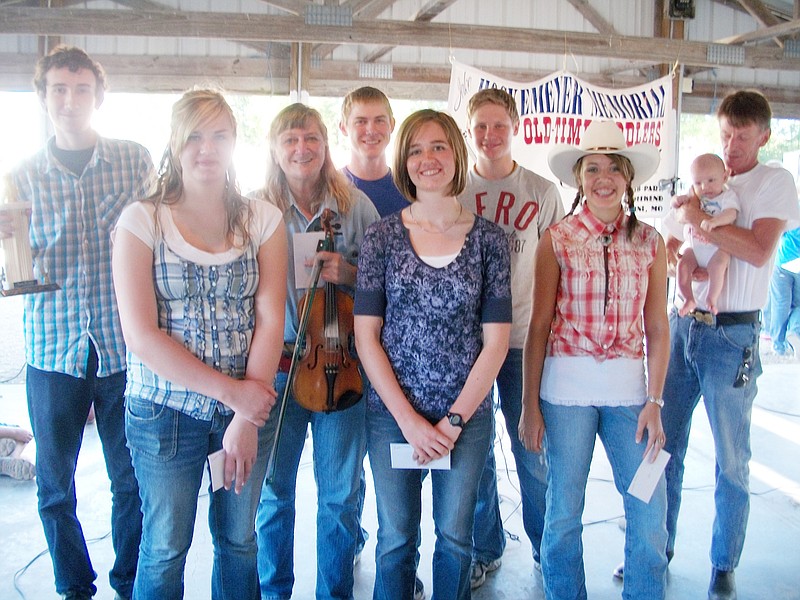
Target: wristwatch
{"x": 654, "y": 400}
{"x": 456, "y": 420}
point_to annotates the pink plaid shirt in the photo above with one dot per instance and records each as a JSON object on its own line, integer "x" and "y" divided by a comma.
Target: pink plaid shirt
{"x": 602, "y": 288}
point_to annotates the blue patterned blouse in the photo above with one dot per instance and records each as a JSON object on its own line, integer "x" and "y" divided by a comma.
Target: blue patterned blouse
{"x": 432, "y": 317}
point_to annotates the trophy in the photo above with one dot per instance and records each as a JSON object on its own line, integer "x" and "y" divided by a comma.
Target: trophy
{"x": 18, "y": 275}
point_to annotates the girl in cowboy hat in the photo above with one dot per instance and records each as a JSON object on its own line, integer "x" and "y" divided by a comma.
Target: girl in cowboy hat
{"x": 599, "y": 310}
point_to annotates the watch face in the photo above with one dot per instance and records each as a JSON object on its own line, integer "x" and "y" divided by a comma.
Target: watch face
{"x": 455, "y": 420}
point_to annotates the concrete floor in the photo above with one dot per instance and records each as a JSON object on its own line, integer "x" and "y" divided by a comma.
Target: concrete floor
{"x": 770, "y": 567}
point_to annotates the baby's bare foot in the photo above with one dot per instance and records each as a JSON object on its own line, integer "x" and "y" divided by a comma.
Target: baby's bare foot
{"x": 688, "y": 306}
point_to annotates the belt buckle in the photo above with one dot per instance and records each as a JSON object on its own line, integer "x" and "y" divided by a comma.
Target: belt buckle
{"x": 701, "y": 316}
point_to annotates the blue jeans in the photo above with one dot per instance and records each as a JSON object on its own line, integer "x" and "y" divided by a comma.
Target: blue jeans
{"x": 570, "y": 437}
{"x": 169, "y": 450}
{"x": 339, "y": 445}
{"x": 707, "y": 361}
{"x": 784, "y": 298}
{"x": 488, "y": 536}
{"x": 363, "y": 534}
{"x": 398, "y": 495}
{"x": 58, "y": 405}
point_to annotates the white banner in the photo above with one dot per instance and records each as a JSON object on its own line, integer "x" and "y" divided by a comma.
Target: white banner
{"x": 557, "y": 109}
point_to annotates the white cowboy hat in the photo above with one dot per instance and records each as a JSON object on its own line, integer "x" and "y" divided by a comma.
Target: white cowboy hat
{"x": 604, "y": 137}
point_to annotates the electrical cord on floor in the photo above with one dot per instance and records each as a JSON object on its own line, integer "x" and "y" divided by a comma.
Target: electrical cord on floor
{"x": 13, "y": 377}
{"x": 518, "y": 503}
{"x": 18, "y": 575}
{"x": 24, "y": 569}
{"x": 508, "y": 471}
{"x": 779, "y": 412}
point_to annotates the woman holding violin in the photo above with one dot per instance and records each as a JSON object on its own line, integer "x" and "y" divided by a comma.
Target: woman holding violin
{"x": 312, "y": 195}
{"x": 432, "y": 324}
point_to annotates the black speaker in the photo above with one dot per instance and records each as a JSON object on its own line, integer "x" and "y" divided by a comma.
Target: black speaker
{"x": 679, "y": 9}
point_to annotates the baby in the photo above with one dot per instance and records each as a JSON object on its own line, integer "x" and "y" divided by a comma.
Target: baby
{"x": 709, "y": 177}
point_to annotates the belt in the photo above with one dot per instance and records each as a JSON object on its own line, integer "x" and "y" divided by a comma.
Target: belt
{"x": 725, "y": 318}
{"x": 285, "y": 362}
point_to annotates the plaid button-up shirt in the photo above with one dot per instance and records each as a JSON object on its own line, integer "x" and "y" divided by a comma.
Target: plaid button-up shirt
{"x": 603, "y": 286}
{"x": 70, "y": 233}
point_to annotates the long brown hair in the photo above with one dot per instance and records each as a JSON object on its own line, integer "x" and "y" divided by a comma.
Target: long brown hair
{"x": 331, "y": 182}
{"x": 405, "y": 136}
{"x": 626, "y": 168}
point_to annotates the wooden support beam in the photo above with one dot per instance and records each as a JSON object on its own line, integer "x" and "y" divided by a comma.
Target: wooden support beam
{"x": 762, "y": 15}
{"x": 759, "y": 11}
{"x": 252, "y": 27}
{"x": 590, "y": 13}
{"x": 258, "y": 46}
{"x": 293, "y": 7}
{"x": 426, "y": 14}
{"x": 47, "y": 42}
{"x": 673, "y": 29}
{"x": 128, "y": 73}
{"x": 783, "y": 29}
{"x": 299, "y": 74}
{"x": 597, "y": 20}
{"x": 362, "y": 9}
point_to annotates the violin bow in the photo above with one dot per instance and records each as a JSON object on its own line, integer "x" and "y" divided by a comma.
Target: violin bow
{"x": 301, "y": 334}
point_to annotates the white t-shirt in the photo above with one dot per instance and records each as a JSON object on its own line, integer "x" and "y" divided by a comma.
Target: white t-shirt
{"x": 524, "y": 205}
{"x": 138, "y": 218}
{"x": 764, "y": 193}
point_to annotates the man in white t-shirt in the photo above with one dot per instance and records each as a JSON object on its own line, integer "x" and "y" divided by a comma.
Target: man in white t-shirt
{"x": 716, "y": 355}
{"x": 524, "y": 205}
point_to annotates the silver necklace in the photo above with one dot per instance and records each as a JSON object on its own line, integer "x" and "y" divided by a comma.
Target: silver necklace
{"x": 445, "y": 230}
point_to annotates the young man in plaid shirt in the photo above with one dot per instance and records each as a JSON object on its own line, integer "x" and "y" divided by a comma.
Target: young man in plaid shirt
{"x": 77, "y": 186}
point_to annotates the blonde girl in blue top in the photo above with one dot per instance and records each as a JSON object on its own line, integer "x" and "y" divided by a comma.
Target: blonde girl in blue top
{"x": 200, "y": 274}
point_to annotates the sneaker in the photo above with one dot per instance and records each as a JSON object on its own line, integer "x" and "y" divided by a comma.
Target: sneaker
{"x": 7, "y": 446}
{"x": 17, "y": 468}
{"x": 419, "y": 589}
{"x": 479, "y": 571}
{"x": 619, "y": 571}
{"x": 357, "y": 556}
{"x": 784, "y": 350}
{"x": 793, "y": 341}
{"x": 76, "y": 596}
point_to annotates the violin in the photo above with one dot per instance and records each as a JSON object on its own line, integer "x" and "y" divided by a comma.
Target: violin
{"x": 323, "y": 376}
{"x": 327, "y": 377}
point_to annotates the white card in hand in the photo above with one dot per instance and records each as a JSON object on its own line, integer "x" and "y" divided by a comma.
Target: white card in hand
{"x": 305, "y": 247}
{"x": 647, "y": 476}
{"x": 216, "y": 468}
{"x": 403, "y": 458}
